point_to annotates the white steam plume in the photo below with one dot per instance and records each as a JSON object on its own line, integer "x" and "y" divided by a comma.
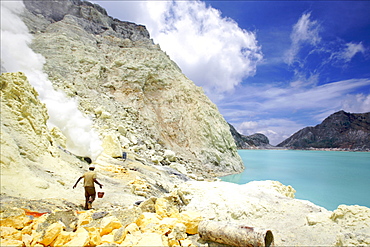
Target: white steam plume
{"x": 16, "y": 56}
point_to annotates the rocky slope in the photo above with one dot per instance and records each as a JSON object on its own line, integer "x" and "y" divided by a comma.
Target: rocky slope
{"x": 255, "y": 141}
{"x": 35, "y": 165}
{"x": 131, "y": 89}
{"x": 341, "y": 130}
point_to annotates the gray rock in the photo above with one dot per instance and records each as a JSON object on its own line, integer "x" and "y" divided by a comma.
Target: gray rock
{"x": 98, "y": 215}
{"x": 257, "y": 140}
{"x": 127, "y": 216}
{"x": 68, "y": 218}
{"x": 341, "y": 130}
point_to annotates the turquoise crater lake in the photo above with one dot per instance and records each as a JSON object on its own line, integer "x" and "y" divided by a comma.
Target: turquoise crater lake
{"x": 326, "y": 178}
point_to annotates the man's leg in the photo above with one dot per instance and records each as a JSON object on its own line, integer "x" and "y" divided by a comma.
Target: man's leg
{"x": 87, "y": 196}
{"x": 90, "y": 196}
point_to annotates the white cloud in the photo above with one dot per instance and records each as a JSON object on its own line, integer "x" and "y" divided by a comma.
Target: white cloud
{"x": 356, "y": 103}
{"x": 329, "y": 95}
{"x": 247, "y": 126}
{"x": 304, "y": 31}
{"x": 276, "y": 112}
{"x": 349, "y": 51}
{"x": 211, "y": 50}
{"x": 352, "y": 50}
{"x": 277, "y": 130}
{"x": 270, "y": 98}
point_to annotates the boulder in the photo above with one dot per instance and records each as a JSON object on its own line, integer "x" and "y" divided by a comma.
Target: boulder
{"x": 167, "y": 207}
{"x": 191, "y": 220}
{"x": 170, "y": 155}
{"x": 26, "y": 239}
{"x": 11, "y": 242}
{"x": 148, "y": 205}
{"x": 112, "y": 145}
{"x": 119, "y": 235}
{"x": 186, "y": 242}
{"x": 84, "y": 219}
{"x": 81, "y": 238}
{"x": 51, "y": 233}
{"x": 150, "y": 239}
{"x": 13, "y": 217}
{"x": 95, "y": 238}
{"x": 67, "y": 217}
{"x": 63, "y": 238}
{"x": 147, "y": 221}
{"x": 127, "y": 216}
{"x": 355, "y": 224}
{"x": 166, "y": 225}
{"x": 6, "y": 231}
{"x": 179, "y": 167}
{"x": 108, "y": 224}
{"x": 156, "y": 159}
{"x": 109, "y": 238}
{"x": 178, "y": 232}
{"x": 131, "y": 240}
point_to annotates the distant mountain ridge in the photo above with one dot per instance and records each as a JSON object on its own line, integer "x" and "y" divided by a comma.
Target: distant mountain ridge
{"x": 257, "y": 140}
{"x": 341, "y": 130}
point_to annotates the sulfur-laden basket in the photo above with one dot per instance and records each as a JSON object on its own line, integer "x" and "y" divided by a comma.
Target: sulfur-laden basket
{"x": 100, "y": 194}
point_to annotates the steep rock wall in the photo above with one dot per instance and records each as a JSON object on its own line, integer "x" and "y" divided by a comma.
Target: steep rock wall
{"x": 32, "y": 165}
{"x": 35, "y": 165}
{"x": 129, "y": 86}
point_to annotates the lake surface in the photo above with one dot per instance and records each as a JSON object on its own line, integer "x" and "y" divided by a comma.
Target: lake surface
{"x": 326, "y": 178}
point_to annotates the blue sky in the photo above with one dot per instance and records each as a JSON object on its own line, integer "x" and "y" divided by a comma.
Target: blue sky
{"x": 271, "y": 67}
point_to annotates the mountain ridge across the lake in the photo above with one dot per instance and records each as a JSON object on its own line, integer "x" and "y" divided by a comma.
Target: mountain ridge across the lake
{"x": 341, "y": 130}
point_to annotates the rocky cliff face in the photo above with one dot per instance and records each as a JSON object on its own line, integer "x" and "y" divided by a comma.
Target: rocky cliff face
{"x": 29, "y": 150}
{"x": 35, "y": 165}
{"x": 132, "y": 90}
{"x": 257, "y": 140}
{"x": 341, "y": 130}
{"x": 139, "y": 100}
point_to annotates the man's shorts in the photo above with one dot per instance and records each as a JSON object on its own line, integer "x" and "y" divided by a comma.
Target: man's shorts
{"x": 90, "y": 192}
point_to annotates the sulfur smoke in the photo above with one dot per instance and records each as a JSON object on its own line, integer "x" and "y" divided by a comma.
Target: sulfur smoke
{"x": 63, "y": 112}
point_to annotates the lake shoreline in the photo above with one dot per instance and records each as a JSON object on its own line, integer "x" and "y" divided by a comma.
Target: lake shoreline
{"x": 328, "y": 179}
{"x": 309, "y": 149}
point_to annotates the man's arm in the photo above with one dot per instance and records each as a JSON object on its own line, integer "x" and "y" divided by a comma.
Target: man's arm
{"x": 78, "y": 180}
{"x": 96, "y": 181}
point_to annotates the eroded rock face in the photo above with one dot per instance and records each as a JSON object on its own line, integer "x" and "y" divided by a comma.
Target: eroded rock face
{"x": 34, "y": 164}
{"x": 341, "y": 130}
{"x": 29, "y": 150}
{"x": 254, "y": 141}
{"x": 129, "y": 86}
{"x": 21, "y": 111}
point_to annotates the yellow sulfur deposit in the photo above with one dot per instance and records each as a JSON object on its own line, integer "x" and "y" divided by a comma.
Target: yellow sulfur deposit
{"x": 148, "y": 229}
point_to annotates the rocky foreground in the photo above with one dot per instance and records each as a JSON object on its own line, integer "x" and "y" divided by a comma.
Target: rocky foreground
{"x": 175, "y": 139}
{"x": 173, "y": 219}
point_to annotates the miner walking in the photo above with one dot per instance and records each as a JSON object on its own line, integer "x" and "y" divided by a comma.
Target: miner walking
{"x": 89, "y": 180}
